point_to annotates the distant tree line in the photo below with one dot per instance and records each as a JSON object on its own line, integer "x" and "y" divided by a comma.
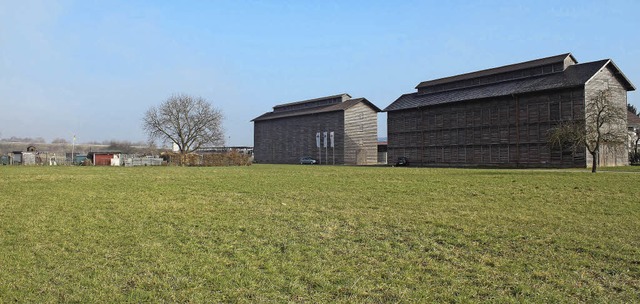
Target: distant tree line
{"x": 37, "y": 140}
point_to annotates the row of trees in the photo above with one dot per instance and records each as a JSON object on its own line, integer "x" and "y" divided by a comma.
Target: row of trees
{"x": 40, "y": 140}
{"x": 15, "y": 139}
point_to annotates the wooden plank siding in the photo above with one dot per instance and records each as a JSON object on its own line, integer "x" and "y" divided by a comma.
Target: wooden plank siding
{"x": 502, "y": 116}
{"x": 285, "y": 140}
{"x": 289, "y": 133}
{"x": 361, "y": 135}
{"x": 504, "y": 131}
{"x": 610, "y": 155}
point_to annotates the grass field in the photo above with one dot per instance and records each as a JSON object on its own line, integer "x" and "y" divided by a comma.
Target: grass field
{"x": 268, "y": 233}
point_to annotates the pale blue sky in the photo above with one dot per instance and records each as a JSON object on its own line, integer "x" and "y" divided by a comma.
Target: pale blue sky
{"x": 92, "y": 68}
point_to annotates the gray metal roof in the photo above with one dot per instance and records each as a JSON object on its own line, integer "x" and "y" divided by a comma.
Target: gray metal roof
{"x": 499, "y": 70}
{"x": 344, "y": 96}
{"x": 573, "y": 75}
{"x": 322, "y": 109}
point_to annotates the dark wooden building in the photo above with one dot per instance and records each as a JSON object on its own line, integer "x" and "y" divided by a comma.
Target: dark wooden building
{"x": 501, "y": 116}
{"x": 290, "y": 131}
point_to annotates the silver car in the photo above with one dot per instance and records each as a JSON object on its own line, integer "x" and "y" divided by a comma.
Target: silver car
{"x": 308, "y": 160}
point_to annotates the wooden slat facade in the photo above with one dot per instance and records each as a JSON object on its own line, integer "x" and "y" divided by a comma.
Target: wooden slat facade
{"x": 503, "y": 129}
{"x": 508, "y": 131}
{"x": 284, "y": 140}
{"x": 607, "y": 79}
{"x": 361, "y": 135}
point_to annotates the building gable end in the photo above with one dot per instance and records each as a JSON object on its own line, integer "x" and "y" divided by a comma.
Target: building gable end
{"x": 617, "y": 73}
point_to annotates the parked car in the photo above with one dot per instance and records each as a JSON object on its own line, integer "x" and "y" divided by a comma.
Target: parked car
{"x": 308, "y": 161}
{"x": 402, "y": 161}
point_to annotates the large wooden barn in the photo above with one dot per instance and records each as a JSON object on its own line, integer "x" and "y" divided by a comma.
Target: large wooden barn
{"x": 501, "y": 116}
{"x": 294, "y": 130}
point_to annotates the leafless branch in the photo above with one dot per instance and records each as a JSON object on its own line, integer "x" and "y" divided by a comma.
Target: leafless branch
{"x": 189, "y": 122}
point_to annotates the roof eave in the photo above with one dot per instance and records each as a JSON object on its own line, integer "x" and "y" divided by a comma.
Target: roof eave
{"x": 386, "y": 109}
{"x": 259, "y": 117}
{"x": 289, "y": 116}
{"x": 627, "y": 83}
{"x": 630, "y": 86}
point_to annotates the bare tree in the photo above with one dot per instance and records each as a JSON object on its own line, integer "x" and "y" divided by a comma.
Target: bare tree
{"x": 604, "y": 124}
{"x": 186, "y": 121}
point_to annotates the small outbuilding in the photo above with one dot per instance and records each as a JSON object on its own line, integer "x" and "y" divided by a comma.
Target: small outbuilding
{"x": 106, "y": 158}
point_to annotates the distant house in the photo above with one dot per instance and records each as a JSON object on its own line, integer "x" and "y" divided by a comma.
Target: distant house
{"x": 633, "y": 125}
{"x": 633, "y": 121}
{"x": 345, "y": 130}
{"x": 501, "y": 116}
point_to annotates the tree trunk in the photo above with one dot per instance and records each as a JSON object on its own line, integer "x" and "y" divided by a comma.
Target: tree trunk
{"x": 594, "y": 162}
{"x": 183, "y": 159}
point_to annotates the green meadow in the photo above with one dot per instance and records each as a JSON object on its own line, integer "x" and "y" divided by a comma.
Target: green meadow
{"x": 291, "y": 233}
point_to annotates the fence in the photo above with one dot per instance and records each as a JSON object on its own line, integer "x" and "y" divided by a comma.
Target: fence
{"x": 142, "y": 161}
{"x": 231, "y": 158}
{"x": 34, "y": 159}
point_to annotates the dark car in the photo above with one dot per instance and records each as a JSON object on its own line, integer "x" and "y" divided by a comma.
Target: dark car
{"x": 308, "y": 161}
{"x": 402, "y": 161}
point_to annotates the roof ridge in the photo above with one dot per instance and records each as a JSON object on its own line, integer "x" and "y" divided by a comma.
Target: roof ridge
{"x": 341, "y": 106}
{"x": 310, "y": 100}
{"x": 499, "y": 69}
{"x": 574, "y": 75}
